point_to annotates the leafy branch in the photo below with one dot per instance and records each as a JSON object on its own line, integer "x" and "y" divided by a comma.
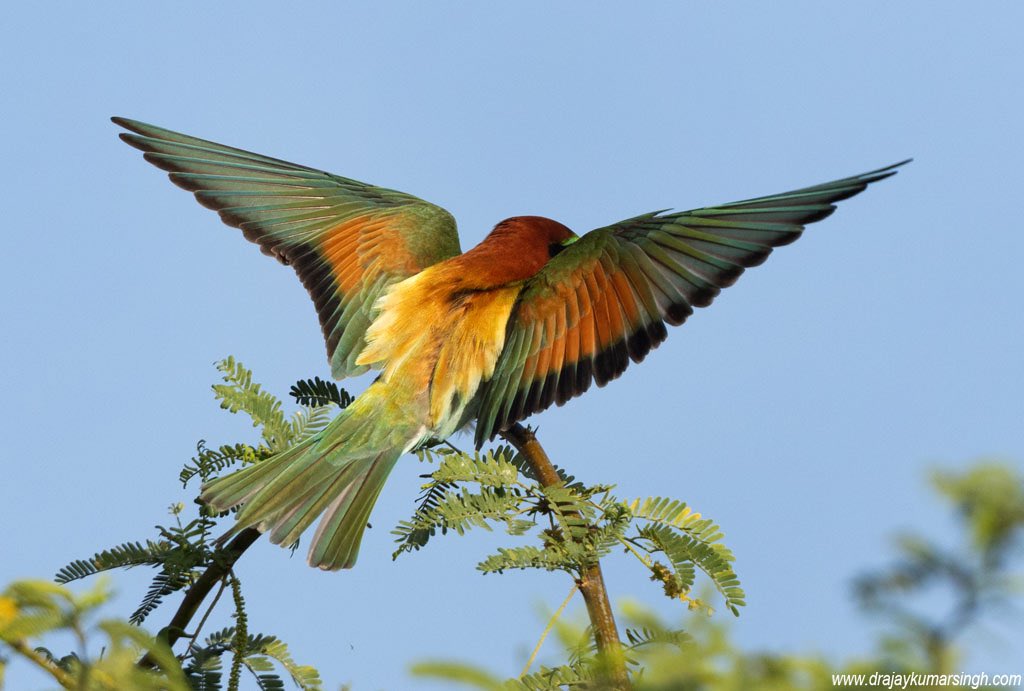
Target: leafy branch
{"x": 576, "y": 524}
{"x": 559, "y": 524}
{"x": 188, "y": 557}
{"x": 573, "y": 526}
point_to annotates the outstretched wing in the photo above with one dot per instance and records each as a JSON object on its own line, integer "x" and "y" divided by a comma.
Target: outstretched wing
{"x": 345, "y": 239}
{"x": 605, "y": 299}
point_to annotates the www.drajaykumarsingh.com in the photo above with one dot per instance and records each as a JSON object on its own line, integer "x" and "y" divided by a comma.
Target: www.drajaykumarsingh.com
{"x": 888, "y": 680}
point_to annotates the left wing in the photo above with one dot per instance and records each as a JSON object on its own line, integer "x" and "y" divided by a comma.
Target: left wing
{"x": 605, "y": 299}
{"x": 347, "y": 240}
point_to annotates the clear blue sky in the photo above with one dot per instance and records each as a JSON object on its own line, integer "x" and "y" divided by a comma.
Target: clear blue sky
{"x": 801, "y": 411}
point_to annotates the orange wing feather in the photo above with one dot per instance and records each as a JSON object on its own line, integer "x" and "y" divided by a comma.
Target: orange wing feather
{"x": 605, "y": 300}
{"x": 346, "y": 240}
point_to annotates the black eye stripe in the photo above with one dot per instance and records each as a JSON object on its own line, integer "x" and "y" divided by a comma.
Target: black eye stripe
{"x": 554, "y": 248}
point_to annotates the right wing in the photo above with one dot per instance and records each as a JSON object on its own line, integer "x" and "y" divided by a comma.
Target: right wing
{"x": 606, "y": 298}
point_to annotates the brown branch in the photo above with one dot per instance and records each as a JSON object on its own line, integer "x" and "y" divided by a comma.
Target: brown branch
{"x": 591, "y": 581}
{"x": 224, "y": 561}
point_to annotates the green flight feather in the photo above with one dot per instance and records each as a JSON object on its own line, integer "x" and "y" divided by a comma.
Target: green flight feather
{"x": 629, "y": 279}
{"x": 347, "y": 240}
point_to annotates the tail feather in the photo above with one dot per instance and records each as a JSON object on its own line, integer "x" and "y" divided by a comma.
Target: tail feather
{"x": 336, "y": 541}
{"x": 286, "y": 527}
{"x": 239, "y": 487}
{"x": 306, "y": 472}
{"x": 338, "y": 473}
{"x": 290, "y": 523}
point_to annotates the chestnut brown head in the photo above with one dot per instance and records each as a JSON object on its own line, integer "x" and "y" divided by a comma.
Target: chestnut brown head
{"x": 518, "y": 248}
{"x": 537, "y": 231}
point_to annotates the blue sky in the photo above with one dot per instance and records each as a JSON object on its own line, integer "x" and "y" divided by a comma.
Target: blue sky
{"x": 801, "y": 411}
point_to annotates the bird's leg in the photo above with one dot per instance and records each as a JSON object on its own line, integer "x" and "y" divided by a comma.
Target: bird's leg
{"x": 591, "y": 580}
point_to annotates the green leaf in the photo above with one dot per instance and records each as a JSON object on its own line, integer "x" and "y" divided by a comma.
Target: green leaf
{"x": 163, "y": 584}
{"x": 307, "y": 422}
{"x": 316, "y": 392}
{"x": 567, "y": 556}
{"x": 258, "y": 652}
{"x": 125, "y": 556}
{"x": 443, "y": 508}
{"x": 644, "y": 636}
{"x": 304, "y": 676}
{"x": 459, "y": 673}
{"x": 685, "y": 552}
{"x": 489, "y": 469}
{"x": 414, "y": 534}
{"x": 122, "y": 556}
{"x": 209, "y": 462}
{"x": 565, "y": 676}
{"x": 240, "y": 394}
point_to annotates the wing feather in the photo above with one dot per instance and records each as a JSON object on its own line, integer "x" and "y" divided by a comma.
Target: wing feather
{"x": 605, "y": 300}
{"x": 347, "y": 240}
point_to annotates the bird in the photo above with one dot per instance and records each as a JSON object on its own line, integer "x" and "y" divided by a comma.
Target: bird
{"x": 530, "y": 317}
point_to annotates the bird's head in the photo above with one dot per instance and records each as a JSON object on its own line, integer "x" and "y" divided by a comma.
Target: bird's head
{"x": 536, "y": 233}
{"x": 516, "y": 249}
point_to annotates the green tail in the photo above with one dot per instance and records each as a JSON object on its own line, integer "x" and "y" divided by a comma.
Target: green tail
{"x": 338, "y": 472}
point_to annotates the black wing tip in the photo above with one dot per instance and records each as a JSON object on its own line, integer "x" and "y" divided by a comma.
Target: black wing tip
{"x": 704, "y": 296}
{"x": 729, "y": 276}
{"x": 639, "y": 343}
{"x": 678, "y": 312}
{"x": 574, "y": 379}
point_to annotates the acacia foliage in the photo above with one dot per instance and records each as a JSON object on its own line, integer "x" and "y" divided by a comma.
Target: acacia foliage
{"x": 184, "y": 550}
{"x": 567, "y": 526}
{"x": 573, "y": 525}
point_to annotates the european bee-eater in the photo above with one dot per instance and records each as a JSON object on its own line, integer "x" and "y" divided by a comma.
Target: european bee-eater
{"x": 529, "y": 317}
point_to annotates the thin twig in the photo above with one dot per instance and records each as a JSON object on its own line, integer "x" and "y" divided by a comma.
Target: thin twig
{"x": 453, "y": 447}
{"x": 209, "y": 611}
{"x": 547, "y": 630}
{"x": 645, "y": 560}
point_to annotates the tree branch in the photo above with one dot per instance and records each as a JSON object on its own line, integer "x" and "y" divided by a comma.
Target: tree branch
{"x": 591, "y": 581}
{"x": 225, "y": 559}
{"x": 28, "y": 652}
